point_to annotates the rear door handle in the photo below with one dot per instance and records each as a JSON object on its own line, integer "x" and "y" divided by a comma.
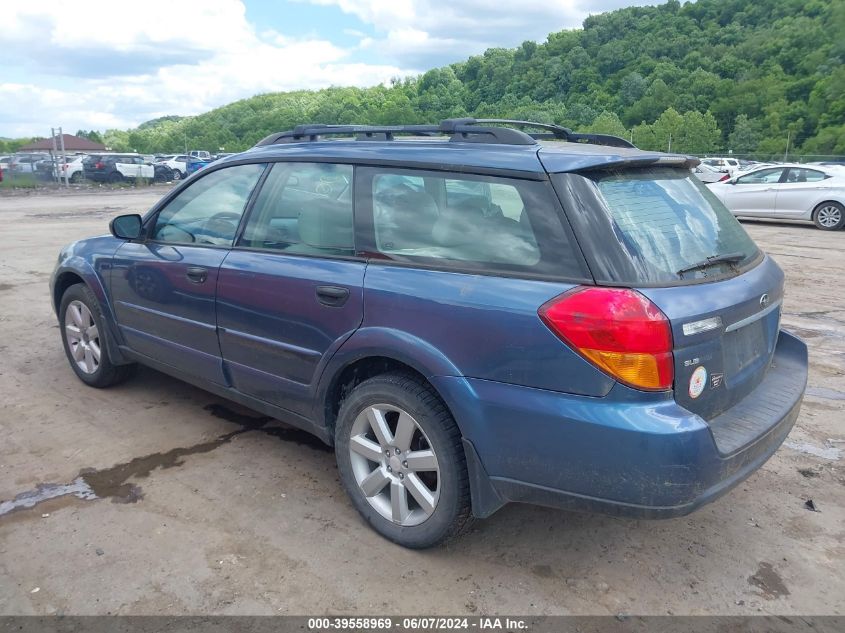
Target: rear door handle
{"x": 197, "y": 274}
{"x": 333, "y": 296}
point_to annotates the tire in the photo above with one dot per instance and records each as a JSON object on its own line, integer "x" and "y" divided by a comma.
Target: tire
{"x": 115, "y": 177}
{"x": 77, "y": 176}
{"x": 444, "y": 510}
{"x": 829, "y": 216}
{"x": 177, "y": 175}
{"x": 85, "y": 349}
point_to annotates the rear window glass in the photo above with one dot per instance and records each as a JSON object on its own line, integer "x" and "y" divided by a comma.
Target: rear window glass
{"x": 660, "y": 224}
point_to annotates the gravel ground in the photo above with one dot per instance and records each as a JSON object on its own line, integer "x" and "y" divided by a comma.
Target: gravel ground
{"x": 200, "y": 512}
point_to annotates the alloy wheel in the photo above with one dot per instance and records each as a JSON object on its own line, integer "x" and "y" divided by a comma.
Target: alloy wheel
{"x": 394, "y": 464}
{"x": 83, "y": 338}
{"x": 829, "y": 216}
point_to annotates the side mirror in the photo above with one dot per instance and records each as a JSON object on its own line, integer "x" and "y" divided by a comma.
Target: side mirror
{"x": 126, "y": 227}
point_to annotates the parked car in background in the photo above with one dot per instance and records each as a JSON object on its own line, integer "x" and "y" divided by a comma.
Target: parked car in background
{"x": 471, "y": 340}
{"x": 163, "y": 173}
{"x": 25, "y": 163}
{"x": 706, "y": 173}
{"x": 195, "y": 164}
{"x": 177, "y": 163}
{"x": 724, "y": 165}
{"x": 199, "y": 153}
{"x": 116, "y": 167}
{"x": 787, "y": 192}
{"x": 4, "y": 162}
{"x": 74, "y": 169}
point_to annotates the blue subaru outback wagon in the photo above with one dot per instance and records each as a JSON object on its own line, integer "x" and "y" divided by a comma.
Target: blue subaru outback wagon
{"x": 469, "y": 313}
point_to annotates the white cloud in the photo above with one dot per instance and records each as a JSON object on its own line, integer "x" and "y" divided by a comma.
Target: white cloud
{"x": 173, "y": 58}
{"x": 426, "y": 33}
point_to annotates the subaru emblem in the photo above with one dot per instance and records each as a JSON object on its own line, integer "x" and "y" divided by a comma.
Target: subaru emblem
{"x": 764, "y": 300}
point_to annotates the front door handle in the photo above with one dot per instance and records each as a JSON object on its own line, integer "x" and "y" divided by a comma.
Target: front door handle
{"x": 197, "y": 274}
{"x": 333, "y": 296}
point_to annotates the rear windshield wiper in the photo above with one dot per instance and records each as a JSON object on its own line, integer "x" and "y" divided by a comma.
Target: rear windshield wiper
{"x": 731, "y": 258}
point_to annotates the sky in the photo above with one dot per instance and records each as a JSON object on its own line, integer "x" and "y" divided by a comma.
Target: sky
{"x": 104, "y": 64}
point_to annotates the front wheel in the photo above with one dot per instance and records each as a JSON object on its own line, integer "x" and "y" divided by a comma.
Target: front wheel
{"x": 84, "y": 339}
{"x": 177, "y": 175}
{"x": 829, "y": 216}
{"x": 401, "y": 461}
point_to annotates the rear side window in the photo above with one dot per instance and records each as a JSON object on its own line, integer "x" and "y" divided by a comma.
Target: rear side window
{"x": 654, "y": 226}
{"x": 467, "y": 222}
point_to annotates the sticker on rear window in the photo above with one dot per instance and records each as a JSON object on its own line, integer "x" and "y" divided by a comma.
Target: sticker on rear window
{"x": 697, "y": 382}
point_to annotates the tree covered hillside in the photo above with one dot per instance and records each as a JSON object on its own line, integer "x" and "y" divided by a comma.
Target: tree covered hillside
{"x": 713, "y": 74}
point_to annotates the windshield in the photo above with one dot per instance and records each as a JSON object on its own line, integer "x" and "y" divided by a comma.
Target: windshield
{"x": 664, "y": 226}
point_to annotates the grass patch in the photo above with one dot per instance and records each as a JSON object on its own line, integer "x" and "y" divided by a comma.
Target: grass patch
{"x": 19, "y": 181}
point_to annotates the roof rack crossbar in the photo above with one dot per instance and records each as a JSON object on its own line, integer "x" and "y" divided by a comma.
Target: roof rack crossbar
{"x": 466, "y": 130}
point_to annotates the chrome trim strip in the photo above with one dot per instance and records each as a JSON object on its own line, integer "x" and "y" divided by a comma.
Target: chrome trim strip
{"x": 754, "y": 317}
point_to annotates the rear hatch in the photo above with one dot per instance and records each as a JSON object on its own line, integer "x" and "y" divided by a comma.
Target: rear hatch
{"x": 662, "y": 232}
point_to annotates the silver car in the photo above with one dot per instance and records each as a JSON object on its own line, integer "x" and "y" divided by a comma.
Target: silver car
{"x": 707, "y": 174}
{"x": 787, "y": 192}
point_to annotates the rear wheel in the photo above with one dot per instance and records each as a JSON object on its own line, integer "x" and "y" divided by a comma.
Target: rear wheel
{"x": 84, "y": 339}
{"x": 115, "y": 177}
{"x": 401, "y": 461}
{"x": 76, "y": 177}
{"x": 177, "y": 175}
{"x": 829, "y": 216}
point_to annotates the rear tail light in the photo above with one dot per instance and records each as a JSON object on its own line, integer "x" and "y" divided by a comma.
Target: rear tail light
{"x": 724, "y": 178}
{"x": 619, "y": 331}
{"x": 98, "y": 165}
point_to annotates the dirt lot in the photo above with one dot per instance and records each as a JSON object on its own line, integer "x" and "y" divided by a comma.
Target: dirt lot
{"x": 201, "y": 512}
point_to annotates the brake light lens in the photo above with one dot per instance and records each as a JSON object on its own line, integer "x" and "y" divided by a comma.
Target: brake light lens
{"x": 724, "y": 178}
{"x": 619, "y": 331}
{"x": 98, "y": 165}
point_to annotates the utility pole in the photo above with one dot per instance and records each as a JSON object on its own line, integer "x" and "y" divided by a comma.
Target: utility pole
{"x": 786, "y": 153}
{"x": 64, "y": 158}
{"x": 670, "y": 144}
{"x": 53, "y": 160}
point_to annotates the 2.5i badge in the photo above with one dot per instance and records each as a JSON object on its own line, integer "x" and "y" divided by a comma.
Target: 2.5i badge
{"x": 697, "y": 382}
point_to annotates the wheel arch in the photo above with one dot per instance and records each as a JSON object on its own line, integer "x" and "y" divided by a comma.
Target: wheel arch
{"x": 72, "y": 275}
{"x": 358, "y": 369}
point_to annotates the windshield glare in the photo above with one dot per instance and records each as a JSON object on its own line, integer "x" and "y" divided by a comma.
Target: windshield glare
{"x": 664, "y": 220}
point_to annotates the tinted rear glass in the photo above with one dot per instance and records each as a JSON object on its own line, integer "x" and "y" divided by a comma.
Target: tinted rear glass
{"x": 654, "y": 225}
{"x": 467, "y": 222}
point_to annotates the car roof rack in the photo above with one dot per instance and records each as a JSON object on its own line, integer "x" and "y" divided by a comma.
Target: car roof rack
{"x": 465, "y": 130}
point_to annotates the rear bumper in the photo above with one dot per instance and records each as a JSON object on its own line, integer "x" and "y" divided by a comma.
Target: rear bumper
{"x": 627, "y": 454}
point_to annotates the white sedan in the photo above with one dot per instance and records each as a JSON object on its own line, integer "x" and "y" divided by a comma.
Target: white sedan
{"x": 787, "y": 192}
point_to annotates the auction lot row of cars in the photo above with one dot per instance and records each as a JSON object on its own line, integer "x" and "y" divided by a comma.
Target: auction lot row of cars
{"x": 107, "y": 166}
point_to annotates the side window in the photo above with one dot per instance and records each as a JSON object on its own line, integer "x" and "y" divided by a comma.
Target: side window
{"x": 805, "y": 175}
{"x": 762, "y": 176}
{"x": 208, "y": 211}
{"x": 469, "y": 222}
{"x": 305, "y": 209}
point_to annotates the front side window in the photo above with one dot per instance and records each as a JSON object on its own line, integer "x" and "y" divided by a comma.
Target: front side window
{"x": 209, "y": 210}
{"x": 303, "y": 209}
{"x": 762, "y": 176}
{"x": 468, "y": 222}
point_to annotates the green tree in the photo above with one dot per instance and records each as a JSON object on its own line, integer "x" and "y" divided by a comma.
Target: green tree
{"x": 745, "y": 136}
{"x": 608, "y": 123}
